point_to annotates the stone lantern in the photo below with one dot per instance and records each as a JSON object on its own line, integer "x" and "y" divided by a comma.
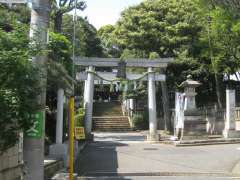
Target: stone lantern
{"x": 190, "y": 94}
{"x": 194, "y": 123}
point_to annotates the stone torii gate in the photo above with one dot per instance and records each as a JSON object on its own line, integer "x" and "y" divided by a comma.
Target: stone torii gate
{"x": 89, "y": 77}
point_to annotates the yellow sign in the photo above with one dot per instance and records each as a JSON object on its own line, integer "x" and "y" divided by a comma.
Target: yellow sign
{"x": 79, "y": 133}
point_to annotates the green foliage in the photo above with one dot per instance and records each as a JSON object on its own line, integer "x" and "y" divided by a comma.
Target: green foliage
{"x": 87, "y": 42}
{"x": 108, "y": 42}
{"x": 79, "y": 117}
{"x": 139, "y": 121}
{"x": 153, "y": 55}
{"x": 158, "y": 26}
{"x": 19, "y": 85}
{"x": 60, "y": 50}
{"x": 180, "y": 29}
{"x": 62, "y": 7}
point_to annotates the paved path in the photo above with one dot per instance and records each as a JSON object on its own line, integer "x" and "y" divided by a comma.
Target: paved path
{"x": 127, "y": 155}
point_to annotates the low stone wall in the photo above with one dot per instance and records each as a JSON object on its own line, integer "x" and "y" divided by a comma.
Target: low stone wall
{"x": 50, "y": 168}
{"x": 215, "y": 120}
{"x": 11, "y": 164}
{"x": 238, "y": 125}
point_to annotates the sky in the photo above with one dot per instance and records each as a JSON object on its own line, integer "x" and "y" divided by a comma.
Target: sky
{"x": 103, "y": 12}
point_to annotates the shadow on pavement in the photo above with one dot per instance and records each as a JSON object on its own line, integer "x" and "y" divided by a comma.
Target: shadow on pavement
{"x": 97, "y": 159}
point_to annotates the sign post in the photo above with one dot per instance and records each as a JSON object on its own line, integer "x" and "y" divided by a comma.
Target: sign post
{"x": 79, "y": 133}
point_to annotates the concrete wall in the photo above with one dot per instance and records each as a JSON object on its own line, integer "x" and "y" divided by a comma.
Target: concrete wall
{"x": 238, "y": 125}
{"x": 11, "y": 164}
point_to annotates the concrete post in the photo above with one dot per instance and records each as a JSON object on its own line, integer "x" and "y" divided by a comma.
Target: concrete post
{"x": 84, "y": 93}
{"x": 59, "y": 123}
{"x": 131, "y": 106}
{"x": 230, "y": 123}
{"x": 89, "y": 101}
{"x": 152, "y": 136}
{"x": 33, "y": 145}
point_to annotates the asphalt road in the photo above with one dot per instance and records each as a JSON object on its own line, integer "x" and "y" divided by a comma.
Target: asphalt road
{"x": 129, "y": 157}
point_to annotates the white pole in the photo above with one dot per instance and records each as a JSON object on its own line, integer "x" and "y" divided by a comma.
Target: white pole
{"x": 89, "y": 101}
{"x": 230, "y": 123}
{"x": 59, "y": 126}
{"x": 131, "y": 106}
{"x": 152, "y": 106}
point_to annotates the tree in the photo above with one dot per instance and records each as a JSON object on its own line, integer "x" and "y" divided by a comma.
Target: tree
{"x": 60, "y": 50}
{"x": 19, "y": 85}
{"x": 167, "y": 28}
{"x": 108, "y": 42}
{"x": 232, "y": 5}
{"x": 61, "y": 7}
{"x": 87, "y": 42}
{"x": 159, "y": 26}
{"x": 222, "y": 29}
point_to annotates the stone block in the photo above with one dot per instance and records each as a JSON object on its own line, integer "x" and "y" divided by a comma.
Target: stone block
{"x": 238, "y": 125}
{"x": 231, "y": 133}
{"x": 59, "y": 151}
{"x": 5, "y": 162}
{"x": 90, "y": 137}
{"x": 13, "y": 161}
{"x": 64, "y": 176}
{"x": 195, "y": 127}
{"x": 153, "y": 137}
{"x": 192, "y": 112}
{"x": 1, "y": 163}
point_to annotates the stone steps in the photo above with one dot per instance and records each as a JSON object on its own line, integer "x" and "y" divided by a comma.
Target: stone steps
{"x": 117, "y": 123}
{"x": 107, "y": 109}
{"x": 108, "y": 117}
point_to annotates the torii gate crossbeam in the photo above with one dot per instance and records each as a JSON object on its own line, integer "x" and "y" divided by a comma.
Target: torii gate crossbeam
{"x": 91, "y": 63}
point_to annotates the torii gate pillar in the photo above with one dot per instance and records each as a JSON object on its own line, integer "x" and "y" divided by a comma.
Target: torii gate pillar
{"x": 152, "y": 136}
{"x": 89, "y": 101}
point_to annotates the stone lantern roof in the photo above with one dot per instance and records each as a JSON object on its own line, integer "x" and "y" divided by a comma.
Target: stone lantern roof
{"x": 190, "y": 82}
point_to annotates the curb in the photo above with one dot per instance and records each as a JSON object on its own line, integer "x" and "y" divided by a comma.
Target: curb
{"x": 159, "y": 174}
{"x": 202, "y": 142}
{"x": 236, "y": 168}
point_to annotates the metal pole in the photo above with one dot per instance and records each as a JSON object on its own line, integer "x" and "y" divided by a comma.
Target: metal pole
{"x": 74, "y": 39}
{"x": 71, "y": 138}
{"x": 33, "y": 143}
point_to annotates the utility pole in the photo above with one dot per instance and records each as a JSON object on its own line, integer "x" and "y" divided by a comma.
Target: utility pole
{"x": 33, "y": 143}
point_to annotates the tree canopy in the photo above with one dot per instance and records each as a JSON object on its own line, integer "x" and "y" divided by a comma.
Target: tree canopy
{"x": 18, "y": 82}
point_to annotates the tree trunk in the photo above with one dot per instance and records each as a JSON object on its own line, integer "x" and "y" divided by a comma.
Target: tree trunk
{"x": 218, "y": 90}
{"x": 58, "y": 22}
{"x": 165, "y": 101}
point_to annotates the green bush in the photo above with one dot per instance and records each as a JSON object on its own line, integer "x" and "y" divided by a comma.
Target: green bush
{"x": 79, "y": 118}
{"x": 138, "y": 121}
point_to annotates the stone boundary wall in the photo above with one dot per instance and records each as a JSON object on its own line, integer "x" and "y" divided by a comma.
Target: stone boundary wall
{"x": 237, "y": 116}
{"x": 215, "y": 120}
{"x": 11, "y": 164}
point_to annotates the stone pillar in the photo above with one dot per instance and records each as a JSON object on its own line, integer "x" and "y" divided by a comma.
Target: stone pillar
{"x": 89, "y": 101}
{"x": 230, "y": 123}
{"x": 131, "y": 106}
{"x": 60, "y": 149}
{"x": 152, "y": 136}
{"x": 59, "y": 123}
{"x": 84, "y": 93}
